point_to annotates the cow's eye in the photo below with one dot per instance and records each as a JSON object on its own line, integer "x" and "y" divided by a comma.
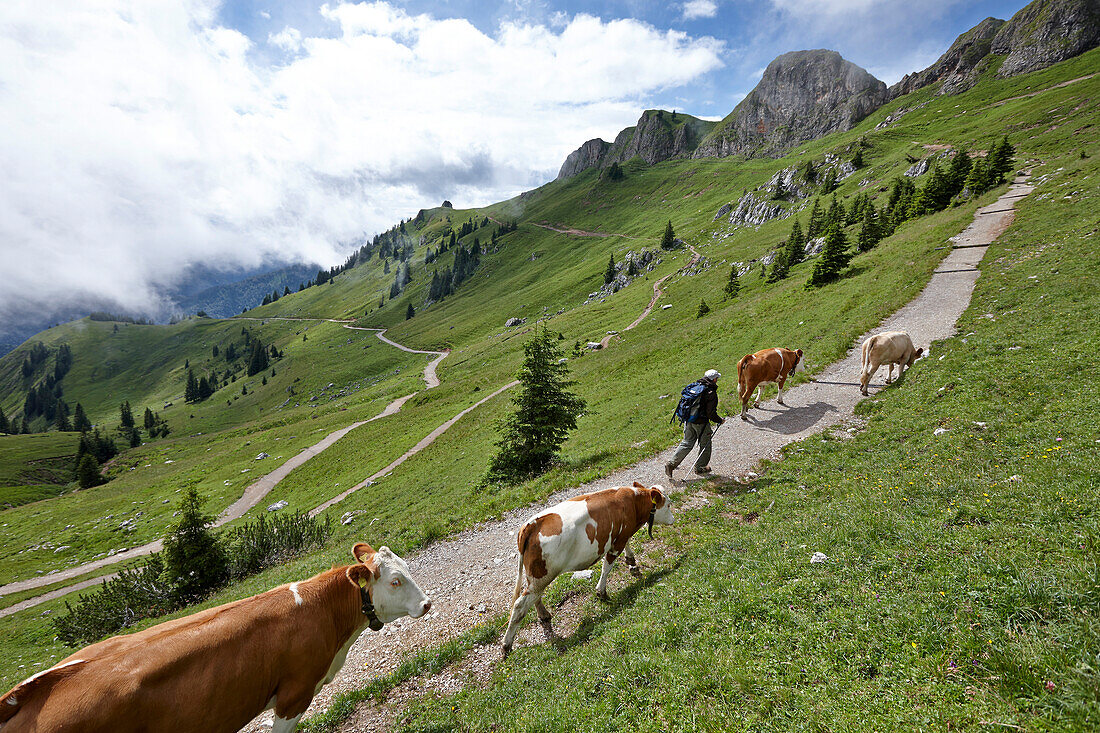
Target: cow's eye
{"x": 396, "y": 582}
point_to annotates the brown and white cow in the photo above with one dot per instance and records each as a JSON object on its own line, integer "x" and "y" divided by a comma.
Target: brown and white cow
{"x": 217, "y": 669}
{"x": 756, "y": 370}
{"x": 576, "y": 533}
{"x": 890, "y": 347}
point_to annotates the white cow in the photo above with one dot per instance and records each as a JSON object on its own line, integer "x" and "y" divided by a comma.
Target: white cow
{"x": 891, "y": 347}
{"x": 576, "y": 533}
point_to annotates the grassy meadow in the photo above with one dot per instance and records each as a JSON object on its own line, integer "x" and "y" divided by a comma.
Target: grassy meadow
{"x": 535, "y": 273}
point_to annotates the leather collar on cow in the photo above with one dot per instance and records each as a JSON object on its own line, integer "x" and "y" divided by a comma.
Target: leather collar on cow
{"x": 652, "y": 513}
{"x": 368, "y": 610}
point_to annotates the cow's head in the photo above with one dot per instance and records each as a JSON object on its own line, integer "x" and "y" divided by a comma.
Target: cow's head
{"x": 660, "y": 510}
{"x": 385, "y": 578}
{"x": 914, "y": 356}
{"x": 799, "y": 362}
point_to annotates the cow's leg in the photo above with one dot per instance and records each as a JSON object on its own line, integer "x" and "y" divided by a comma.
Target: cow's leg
{"x": 286, "y": 725}
{"x": 542, "y": 611}
{"x": 523, "y": 604}
{"x": 890, "y": 373}
{"x": 744, "y": 390}
{"x": 756, "y": 397}
{"x": 780, "y": 383}
{"x": 608, "y": 561}
{"x": 631, "y": 562}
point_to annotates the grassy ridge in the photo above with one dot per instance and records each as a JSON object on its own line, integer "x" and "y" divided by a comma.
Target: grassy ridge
{"x": 534, "y": 272}
{"x": 964, "y": 573}
{"x": 34, "y": 467}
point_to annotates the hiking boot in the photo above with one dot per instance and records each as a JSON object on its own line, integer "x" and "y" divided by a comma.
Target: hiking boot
{"x": 668, "y": 470}
{"x": 704, "y": 471}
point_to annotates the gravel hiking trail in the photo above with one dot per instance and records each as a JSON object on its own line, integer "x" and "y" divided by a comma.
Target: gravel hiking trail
{"x": 479, "y": 587}
{"x": 657, "y": 293}
{"x": 254, "y": 493}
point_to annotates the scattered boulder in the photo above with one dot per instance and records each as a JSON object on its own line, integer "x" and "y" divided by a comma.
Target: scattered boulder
{"x": 819, "y": 557}
{"x": 511, "y": 322}
{"x": 918, "y": 169}
{"x": 277, "y": 505}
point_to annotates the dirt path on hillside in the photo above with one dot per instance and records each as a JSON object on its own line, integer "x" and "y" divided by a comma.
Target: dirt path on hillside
{"x": 480, "y": 586}
{"x": 657, "y": 293}
{"x": 253, "y": 494}
{"x": 581, "y": 232}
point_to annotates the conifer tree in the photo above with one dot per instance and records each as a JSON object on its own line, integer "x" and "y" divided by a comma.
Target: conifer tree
{"x": 835, "y": 213}
{"x": 195, "y": 562}
{"x": 1000, "y": 161}
{"x": 958, "y": 171}
{"x": 62, "y": 423}
{"x": 87, "y": 472}
{"x": 631, "y": 268}
{"x": 609, "y": 271}
{"x": 409, "y": 312}
{"x": 191, "y": 390}
{"x": 545, "y": 411}
{"x": 857, "y": 159}
{"x": 703, "y": 308}
{"x": 149, "y": 420}
{"x": 809, "y": 172}
{"x": 125, "y": 416}
{"x": 796, "y": 245}
{"x": 780, "y": 267}
{"x": 829, "y": 184}
{"x": 868, "y": 232}
{"x": 668, "y": 240}
{"x": 817, "y": 221}
{"x": 733, "y": 284}
{"x": 834, "y": 258}
{"x": 5, "y": 426}
{"x": 81, "y": 423}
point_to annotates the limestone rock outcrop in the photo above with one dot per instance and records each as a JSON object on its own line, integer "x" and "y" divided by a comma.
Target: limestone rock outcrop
{"x": 802, "y": 96}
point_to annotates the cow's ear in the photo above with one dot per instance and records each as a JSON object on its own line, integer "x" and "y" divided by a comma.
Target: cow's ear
{"x": 361, "y": 550}
{"x": 657, "y": 497}
{"x": 799, "y": 352}
{"x": 361, "y": 574}
{"x": 920, "y": 351}
{"x": 639, "y": 485}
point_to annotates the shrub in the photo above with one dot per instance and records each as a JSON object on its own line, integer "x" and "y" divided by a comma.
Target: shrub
{"x": 266, "y": 542}
{"x": 120, "y": 603}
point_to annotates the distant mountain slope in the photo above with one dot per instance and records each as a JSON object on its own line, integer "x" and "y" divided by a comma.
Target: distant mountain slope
{"x": 229, "y": 299}
{"x": 956, "y": 67}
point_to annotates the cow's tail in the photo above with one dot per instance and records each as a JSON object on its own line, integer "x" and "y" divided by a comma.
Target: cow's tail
{"x": 526, "y": 532}
{"x": 741, "y": 386}
{"x": 865, "y": 355}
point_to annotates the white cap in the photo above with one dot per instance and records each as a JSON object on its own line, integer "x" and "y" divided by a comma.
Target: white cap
{"x": 712, "y": 375}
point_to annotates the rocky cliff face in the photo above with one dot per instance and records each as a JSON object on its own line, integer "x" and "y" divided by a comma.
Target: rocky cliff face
{"x": 659, "y": 135}
{"x": 802, "y": 96}
{"x": 956, "y": 67}
{"x": 589, "y": 155}
{"x": 1046, "y": 32}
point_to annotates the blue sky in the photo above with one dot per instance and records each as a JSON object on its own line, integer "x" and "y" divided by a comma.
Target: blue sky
{"x": 140, "y": 136}
{"x": 887, "y": 38}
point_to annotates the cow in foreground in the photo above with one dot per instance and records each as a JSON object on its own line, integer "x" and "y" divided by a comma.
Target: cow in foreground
{"x": 217, "y": 669}
{"x": 756, "y": 370}
{"x": 891, "y": 347}
{"x": 576, "y": 533}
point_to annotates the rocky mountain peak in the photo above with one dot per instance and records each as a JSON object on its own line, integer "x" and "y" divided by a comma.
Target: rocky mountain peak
{"x": 1046, "y": 32}
{"x": 802, "y": 96}
{"x": 956, "y": 67}
{"x": 659, "y": 135}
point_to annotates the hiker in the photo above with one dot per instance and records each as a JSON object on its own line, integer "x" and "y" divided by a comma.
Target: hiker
{"x": 698, "y": 407}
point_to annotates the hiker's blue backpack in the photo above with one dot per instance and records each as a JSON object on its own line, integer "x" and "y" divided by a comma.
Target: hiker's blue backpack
{"x": 691, "y": 403}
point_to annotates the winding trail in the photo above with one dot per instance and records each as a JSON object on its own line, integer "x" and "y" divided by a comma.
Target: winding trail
{"x": 657, "y": 293}
{"x": 257, "y": 490}
{"x": 479, "y": 587}
{"x": 579, "y": 232}
{"x": 253, "y": 494}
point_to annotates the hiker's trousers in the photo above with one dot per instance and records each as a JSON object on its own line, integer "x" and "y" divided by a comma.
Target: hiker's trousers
{"x": 695, "y": 432}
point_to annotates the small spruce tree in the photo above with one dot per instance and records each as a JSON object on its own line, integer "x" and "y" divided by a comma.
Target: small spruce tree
{"x": 796, "y": 245}
{"x": 410, "y": 312}
{"x": 733, "y": 284}
{"x": 195, "y": 562}
{"x": 545, "y": 411}
{"x": 703, "y": 308}
{"x": 609, "y": 271}
{"x": 834, "y": 258}
{"x": 668, "y": 240}
{"x": 780, "y": 267}
{"x": 87, "y": 472}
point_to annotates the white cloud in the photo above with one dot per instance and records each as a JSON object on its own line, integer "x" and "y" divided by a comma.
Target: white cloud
{"x": 140, "y": 138}
{"x": 288, "y": 39}
{"x": 700, "y": 9}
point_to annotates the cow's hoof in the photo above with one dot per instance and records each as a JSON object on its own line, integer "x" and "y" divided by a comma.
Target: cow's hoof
{"x": 505, "y": 650}
{"x": 756, "y": 404}
{"x": 545, "y": 619}
{"x": 745, "y": 418}
{"x": 782, "y": 402}
{"x": 603, "y": 596}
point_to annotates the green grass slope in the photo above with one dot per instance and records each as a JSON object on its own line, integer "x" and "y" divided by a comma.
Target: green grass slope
{"x": 531, "y": 273}
{"x": 36, "y": 466}
{"x": 963, "y": 580}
